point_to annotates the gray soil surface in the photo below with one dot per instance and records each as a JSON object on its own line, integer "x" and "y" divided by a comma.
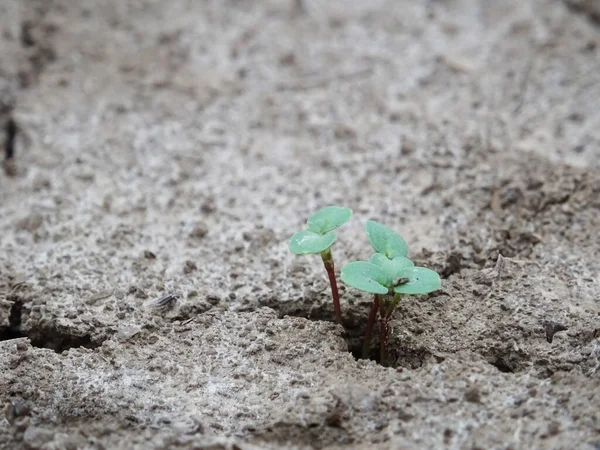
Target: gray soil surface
{"x": 173, "y": 147}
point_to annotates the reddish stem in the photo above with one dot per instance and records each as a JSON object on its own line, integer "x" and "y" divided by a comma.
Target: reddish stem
{"x": 383, "y": 336}
{"x": 329, "y": 266}
{"x": 366, "y": 350}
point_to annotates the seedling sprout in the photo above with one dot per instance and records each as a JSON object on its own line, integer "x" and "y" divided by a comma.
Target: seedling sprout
{"x": 318, "y": 238}
{"x": 388, "y": 274}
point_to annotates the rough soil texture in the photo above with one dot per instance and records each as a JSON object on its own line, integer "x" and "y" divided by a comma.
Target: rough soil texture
{"x": 174, "y": 147}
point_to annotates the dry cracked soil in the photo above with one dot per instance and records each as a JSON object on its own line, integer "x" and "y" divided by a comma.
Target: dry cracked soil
{"x": 160, "y": 148}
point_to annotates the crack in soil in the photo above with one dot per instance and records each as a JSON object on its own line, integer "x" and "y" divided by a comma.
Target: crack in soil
{"x": 36, "y": 42}
{"x": 10, "y": 130}
{"x": 588, "y": 8}
{"x": 46, "y": 335}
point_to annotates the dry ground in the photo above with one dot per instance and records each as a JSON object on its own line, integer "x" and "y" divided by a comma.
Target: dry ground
{"x": 173, "y": 147}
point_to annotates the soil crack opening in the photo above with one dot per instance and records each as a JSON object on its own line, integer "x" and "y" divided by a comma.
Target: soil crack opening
{"x": 46, "y": 335}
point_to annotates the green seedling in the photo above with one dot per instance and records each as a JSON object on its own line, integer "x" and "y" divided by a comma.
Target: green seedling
{"x": 318, "y": 239}
{"x": 388, "y": 275}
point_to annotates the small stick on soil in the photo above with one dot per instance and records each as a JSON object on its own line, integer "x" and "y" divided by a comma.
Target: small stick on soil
{"x": 329, "y": 266}
{"x": 369, "y": 328}
{"x": 165, "y": 302}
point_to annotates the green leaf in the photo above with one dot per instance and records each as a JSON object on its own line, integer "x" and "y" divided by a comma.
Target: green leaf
{"x": 385, "y": 240}
{"x": 364, "y": 276}
{"x": 420, "y": 281}
{"x": 307, "y": 242}
{"x": 378, "y": 259}
{"x": 328, "y": 218}
{"x": 390, "y": 267}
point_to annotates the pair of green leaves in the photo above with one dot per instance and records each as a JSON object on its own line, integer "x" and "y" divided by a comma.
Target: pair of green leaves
{"x": 389, "y": 270}
{"x": 319, "y": 236}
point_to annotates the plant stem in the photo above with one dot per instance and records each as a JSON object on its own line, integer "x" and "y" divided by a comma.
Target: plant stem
{"x": 383, "y": 333}
{"x": 369, "y": 328}
{"x": 394, "y": 304}
{"x": 384, "y": 330}
{"x": 329, "y": 266}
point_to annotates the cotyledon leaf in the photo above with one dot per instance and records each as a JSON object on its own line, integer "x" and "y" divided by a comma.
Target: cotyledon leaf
{"x": 385, "y": 240}
{"x": 391, "y": 267}
{"x": 420, "y": 281}
{"x": 328, "y": 218}
{"x": 364, "y": 276}
{"x": 307, "y": 242}
{"x": 378, "y": 259}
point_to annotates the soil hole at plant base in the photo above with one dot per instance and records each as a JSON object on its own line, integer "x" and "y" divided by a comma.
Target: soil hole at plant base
{"x": 46, "y": 335}
{"x": 355, "y": 338}
{"x": 402, "y": 350}
{"x": 322, "y": 312}
{"x": 400, "y": 354}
